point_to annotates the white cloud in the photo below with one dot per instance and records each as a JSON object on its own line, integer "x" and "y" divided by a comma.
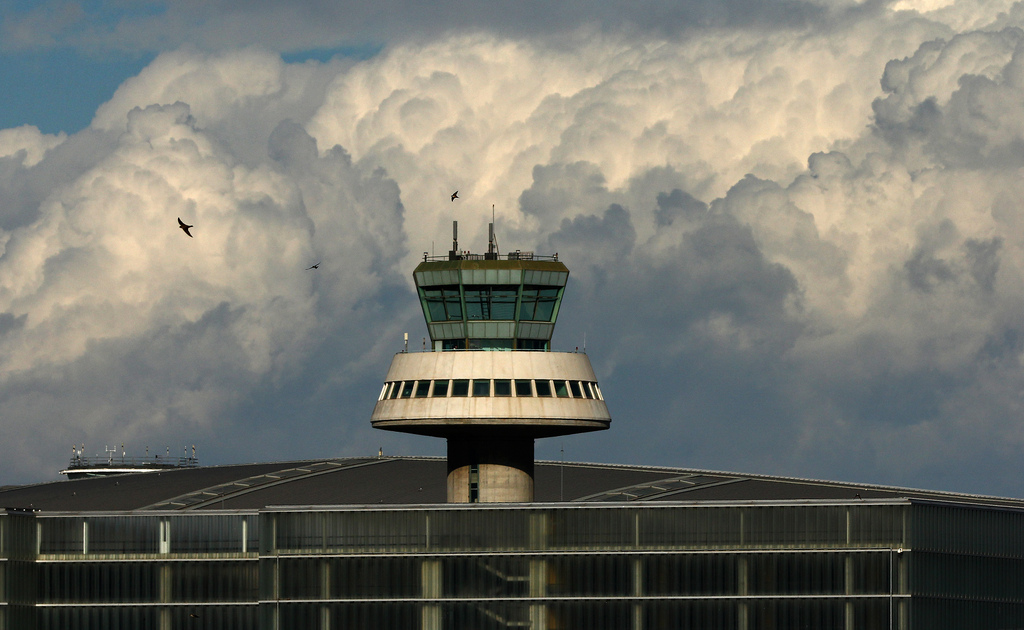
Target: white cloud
{"x": 792, "y": 249}
{"x": 27, "y": 144}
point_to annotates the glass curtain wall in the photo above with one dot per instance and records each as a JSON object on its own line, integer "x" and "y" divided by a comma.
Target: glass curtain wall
{"x": 151, "y": 570}
{"x": 870, "y": 564}
{"x": 767, "y": 566}
{"x": 973, "y": 579}
{"x": 17, "y": 570}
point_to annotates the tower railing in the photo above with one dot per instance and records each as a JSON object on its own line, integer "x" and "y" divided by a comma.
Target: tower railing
{"x": 516, "y": 255}
{"x": 134, "y": 462}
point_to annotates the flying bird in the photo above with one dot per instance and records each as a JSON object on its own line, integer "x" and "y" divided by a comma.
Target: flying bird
{"x": 316, "y": 266}
{"x": 455, "y": 195}
{"x": 184, "y": 226}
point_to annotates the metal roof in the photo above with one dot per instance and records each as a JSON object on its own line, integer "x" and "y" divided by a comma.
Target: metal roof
{"x": 422, "y": 480}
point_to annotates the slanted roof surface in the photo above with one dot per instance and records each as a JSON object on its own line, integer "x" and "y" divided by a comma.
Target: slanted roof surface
{"x": 422, "y": 480}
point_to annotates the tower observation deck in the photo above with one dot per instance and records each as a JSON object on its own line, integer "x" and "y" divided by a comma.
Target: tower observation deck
{"x": 489, "y": 383}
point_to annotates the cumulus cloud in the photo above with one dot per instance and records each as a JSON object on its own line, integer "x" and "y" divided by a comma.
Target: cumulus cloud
{"x": 794, "y": 249}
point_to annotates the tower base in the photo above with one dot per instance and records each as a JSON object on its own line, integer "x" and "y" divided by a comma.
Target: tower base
{"x": 490, "y": 469}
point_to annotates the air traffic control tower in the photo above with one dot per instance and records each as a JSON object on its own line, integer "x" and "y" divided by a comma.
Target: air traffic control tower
{"x": 489, "y": 383}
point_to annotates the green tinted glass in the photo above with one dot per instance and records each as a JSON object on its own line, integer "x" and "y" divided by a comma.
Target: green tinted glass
{"x": 481, "y": 387}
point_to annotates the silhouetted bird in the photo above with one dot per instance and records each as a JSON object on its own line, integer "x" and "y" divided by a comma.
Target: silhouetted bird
{"x": 316, "y": 266}
{"x": 184, "y": 227}
{"x": 455, "y": 195}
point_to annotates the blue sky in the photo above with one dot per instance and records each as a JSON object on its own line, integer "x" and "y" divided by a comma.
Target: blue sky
{"x": 792, "y": 228}
{"x": 59, "y": 90}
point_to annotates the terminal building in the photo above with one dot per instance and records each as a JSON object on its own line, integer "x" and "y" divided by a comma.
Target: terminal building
{"x": 487, "y": 538}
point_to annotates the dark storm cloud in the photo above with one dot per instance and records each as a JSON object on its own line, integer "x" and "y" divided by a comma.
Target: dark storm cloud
{"x": 677, "y": 203}
{"x": 690, "y": 333}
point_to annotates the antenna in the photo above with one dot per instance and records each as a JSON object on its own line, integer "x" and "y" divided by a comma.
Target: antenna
{"x": 454, "y": 254}
{"x": 406, "y": 342}
{"x": 491, "y": 255}
{"x": 494, "y": 239}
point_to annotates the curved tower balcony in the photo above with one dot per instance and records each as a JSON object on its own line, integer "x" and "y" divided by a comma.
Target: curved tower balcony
{"x": 489, "y": 383}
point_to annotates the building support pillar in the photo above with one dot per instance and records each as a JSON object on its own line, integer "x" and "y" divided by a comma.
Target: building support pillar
{"x": 638, "y": 592}
{"x": 431, "y": 583}
{"x": 538, "y": 589}
{"x": 165, "y": 578}
{"x": 164, "y": 617}
{"x": 325, "y": 594}
{"x": 539, "y": 526}
{"x": 848, "y": 579}
{"x": 743, "y": 613}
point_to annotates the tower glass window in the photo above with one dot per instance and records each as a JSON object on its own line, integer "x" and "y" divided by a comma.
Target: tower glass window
{"x": 531, "y": 344}
{"x": 490, "y": 302}
{"x": 422, "y": 387}
{"x": 502, "y": 387}
{"x": 523, "y": 388}
{"x": 440, "y": 389}
{"x": 443, "y": 303}
{"x": 576, "y": 391}
{"x": 481, "y": 387}
{"x": 490, "y": 344}
{"x": 561, "y": 390}
{"x": 544, "y": 388}
{"x": 538, "y": 303}
{"x": 460, "y": 387}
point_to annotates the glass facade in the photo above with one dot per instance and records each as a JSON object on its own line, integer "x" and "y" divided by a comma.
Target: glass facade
{"x": 615, "y": 566}
{"x": 756, "y": 565}
{"x": 482, "y": 388}
{"x": 485, "y": 302}
{"x": 490, "y": 304}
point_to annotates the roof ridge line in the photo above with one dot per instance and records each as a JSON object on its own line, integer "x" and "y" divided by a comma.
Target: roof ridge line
{"x": 334, "y": 466}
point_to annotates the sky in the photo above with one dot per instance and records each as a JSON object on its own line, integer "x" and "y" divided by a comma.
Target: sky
{"x": 793, "y": 228}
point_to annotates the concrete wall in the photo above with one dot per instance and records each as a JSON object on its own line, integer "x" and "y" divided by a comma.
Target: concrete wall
{"x": 562, "y": 415}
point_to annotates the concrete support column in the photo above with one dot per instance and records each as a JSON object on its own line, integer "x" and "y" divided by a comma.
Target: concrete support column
{"x": 539, "y": 529}
{"x": 638, "y": 592}
{"x": 491, "y": 469}
{"x": 431, "y": 583}
{"x": 743, "y": 614}
{"x": 902, "y": 621}
{"x": 848, "y": 576}
{"x": 165, "y": 586}
{"x": 538, "y": 588}
{"x": 325, "y": 594}
{"x": 164, "y": 620}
